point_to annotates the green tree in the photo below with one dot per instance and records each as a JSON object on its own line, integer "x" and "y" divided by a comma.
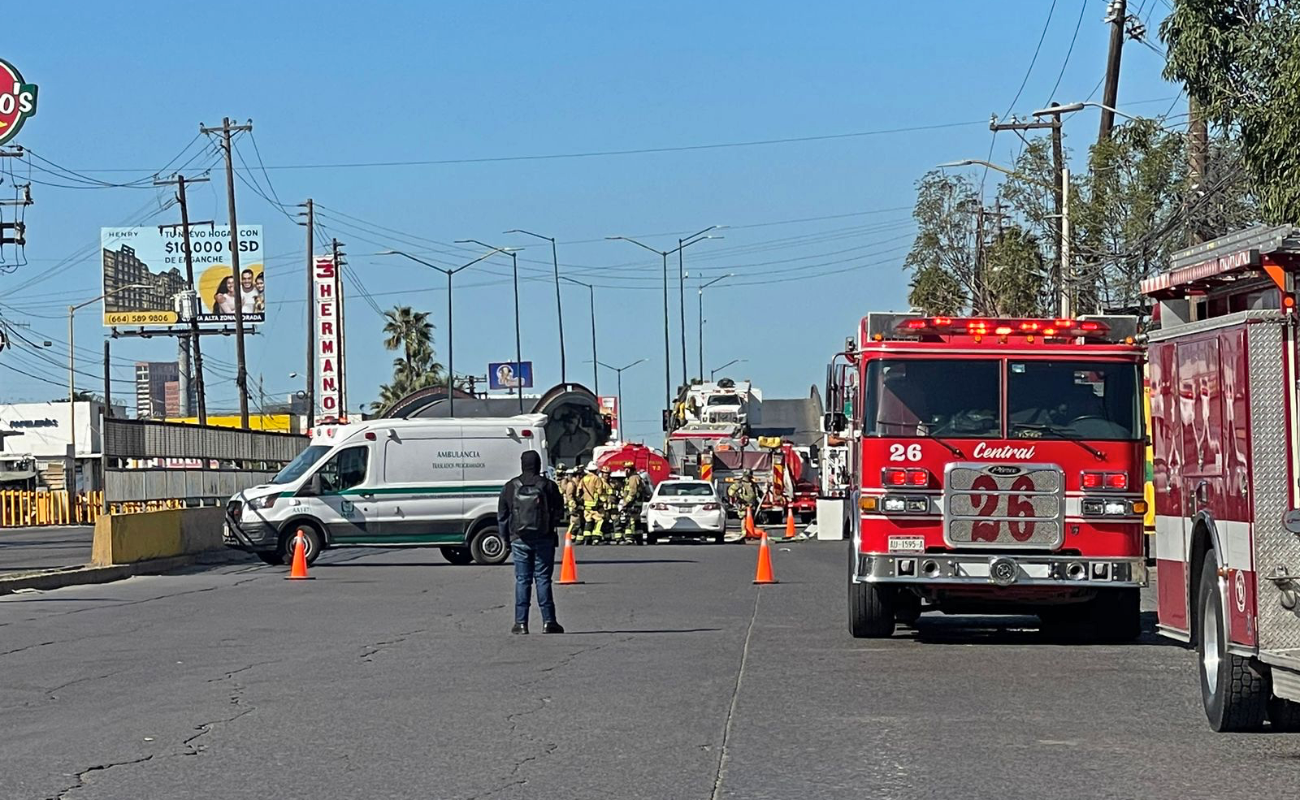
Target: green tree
{"x": 1240, "y": 60}
{"x": 1015, "y": 273}
{"x": 411, "y": 332}
{"x": 942, "y": 258}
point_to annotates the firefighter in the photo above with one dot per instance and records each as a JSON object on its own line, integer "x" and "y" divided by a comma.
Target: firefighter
{"x": 593, "y": 492}
{"x": 744, "y": 494}
{"x": 568, "y": 481}
{"x": 630, "y": 505}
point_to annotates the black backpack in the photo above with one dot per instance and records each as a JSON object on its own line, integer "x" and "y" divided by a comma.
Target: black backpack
{"x": 529, "y": 513}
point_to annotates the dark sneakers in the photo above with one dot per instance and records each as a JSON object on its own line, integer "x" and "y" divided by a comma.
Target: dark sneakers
{"x": 552, "y": 627}
{"x": 519, "y": 628}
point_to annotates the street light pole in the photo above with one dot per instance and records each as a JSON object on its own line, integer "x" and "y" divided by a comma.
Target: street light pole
{"x": 559, "y": 306}
{"x": 595, "y": 371}
{"x": 618, "y": 373}
{"x": 70, "y": 468}
{"x": 682, "y": 244}
{"x": 514, "y": 272}
{"x": 451, "y": 353}
{"x": 701, "y": 339}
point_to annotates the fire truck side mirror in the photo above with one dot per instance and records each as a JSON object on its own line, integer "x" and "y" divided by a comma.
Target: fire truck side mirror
{"x": 834, "y": 422}
{"x": 667, "y": 415}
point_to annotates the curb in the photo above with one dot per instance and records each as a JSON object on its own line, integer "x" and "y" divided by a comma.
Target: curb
{"x": 80, "y": 576}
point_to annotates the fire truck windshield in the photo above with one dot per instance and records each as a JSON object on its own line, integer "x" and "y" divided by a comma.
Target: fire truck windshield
{"x": 912, "y": 398}
{"x": 962, "y": 399}
{"x": 1073, "y": 400}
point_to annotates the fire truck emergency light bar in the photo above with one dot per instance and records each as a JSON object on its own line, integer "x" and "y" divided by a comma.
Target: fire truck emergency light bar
{"x": 1118, "y": 329}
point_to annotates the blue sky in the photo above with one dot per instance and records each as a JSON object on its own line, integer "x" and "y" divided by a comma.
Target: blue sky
{"x": 818, "y": 229}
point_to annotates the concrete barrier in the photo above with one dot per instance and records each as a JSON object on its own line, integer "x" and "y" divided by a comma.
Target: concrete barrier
{"x": 129, "y": 538}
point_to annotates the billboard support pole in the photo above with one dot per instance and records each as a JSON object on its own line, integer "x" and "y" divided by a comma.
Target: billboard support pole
{"x": 519, "y": 360}
{"x": 241, "y": 372}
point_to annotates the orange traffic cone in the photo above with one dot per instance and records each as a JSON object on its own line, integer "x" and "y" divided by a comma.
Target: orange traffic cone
{"x": 789, "y": 524}
{"x": 299, "y": 570}
{"x": 569, "y": 567}
{"x": 750, "y": 531}
{"x": 764, "y": 572}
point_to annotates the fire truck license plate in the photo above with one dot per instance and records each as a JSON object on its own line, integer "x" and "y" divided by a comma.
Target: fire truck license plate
{"x": 906, "y": 544}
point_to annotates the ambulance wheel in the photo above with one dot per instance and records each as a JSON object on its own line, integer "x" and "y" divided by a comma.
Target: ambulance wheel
{"x": 871, "y": 610}
{"x": 488, "y": 546}
{"x": 1235, "y": 698}
{"x": 313, "y": 543}
{"x": 460, "y": 556}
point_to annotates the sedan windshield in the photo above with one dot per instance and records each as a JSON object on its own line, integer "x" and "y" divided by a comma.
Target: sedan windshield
{"x": 300, "y": 465}
{"x": 686, "y": 490}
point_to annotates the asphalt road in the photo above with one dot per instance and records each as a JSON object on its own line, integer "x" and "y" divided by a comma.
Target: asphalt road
{"x": 30, "y": 549}
{"x": 392, "y": 675}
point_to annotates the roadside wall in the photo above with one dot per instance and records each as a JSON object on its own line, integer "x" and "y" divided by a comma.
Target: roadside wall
{"x": 128, "y": 538}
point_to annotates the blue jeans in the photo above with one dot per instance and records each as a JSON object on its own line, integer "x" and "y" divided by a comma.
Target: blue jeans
{"x": 534, "y": 562}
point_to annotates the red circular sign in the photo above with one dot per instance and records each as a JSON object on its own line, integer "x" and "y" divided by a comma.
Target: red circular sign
{"x": 17, "y": 101}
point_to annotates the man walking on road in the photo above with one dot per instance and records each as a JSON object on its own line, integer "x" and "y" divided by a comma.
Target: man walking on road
{"x": 528, "y": 512}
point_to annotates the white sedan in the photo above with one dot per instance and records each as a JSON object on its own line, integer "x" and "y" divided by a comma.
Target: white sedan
{"x": 685, "y": 508}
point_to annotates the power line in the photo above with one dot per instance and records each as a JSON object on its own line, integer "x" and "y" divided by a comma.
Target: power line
{"x": 1033, "y": 60}
{"x": 606, "y": 153}
{"x": 1083, "y": 7}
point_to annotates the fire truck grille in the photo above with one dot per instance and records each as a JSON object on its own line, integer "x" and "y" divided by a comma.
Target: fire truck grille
{"x": 1004, "y": 505}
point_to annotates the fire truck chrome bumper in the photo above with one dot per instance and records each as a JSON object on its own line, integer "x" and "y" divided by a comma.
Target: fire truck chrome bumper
{"x": 1000, "y": 570}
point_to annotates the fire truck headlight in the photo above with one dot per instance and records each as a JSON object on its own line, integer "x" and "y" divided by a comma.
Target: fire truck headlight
{"x": 894, "y": 505}
{"x": 917, "y": 505}
{"x": 1116, "y": 508}
{"x": 1094, "y": 508}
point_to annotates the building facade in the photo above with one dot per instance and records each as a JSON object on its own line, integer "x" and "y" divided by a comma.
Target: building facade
{"x": 153, "y": 397}
{"x": 122, "y": 267}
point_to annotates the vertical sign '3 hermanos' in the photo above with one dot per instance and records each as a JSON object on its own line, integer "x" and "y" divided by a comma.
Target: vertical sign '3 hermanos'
{"x": 17, "y": 101}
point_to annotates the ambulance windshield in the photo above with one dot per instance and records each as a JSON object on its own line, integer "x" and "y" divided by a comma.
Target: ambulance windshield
{"x": 914, "y": 398}
{"x": 299, "y": 466}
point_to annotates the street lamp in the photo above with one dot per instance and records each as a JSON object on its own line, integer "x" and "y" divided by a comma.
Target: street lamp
{"x": 1070, "y": 108}
{"x": 70, "y": 480}
{"x": 514, "y": 270}
{"x": 682, "y": 244}
{"x": 701, "y": 293}
{"x": 1063, "y": 309}
{"x": 618, "y": 371}
{"x": 451, "y": 354}
{"x": 668, "y": 367}
{"x": 595, "y": 373}
{"x": 716, "y": 370}
{"x": 559, "y": 307}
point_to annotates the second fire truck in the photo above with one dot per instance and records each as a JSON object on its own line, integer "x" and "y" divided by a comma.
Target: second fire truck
{"x": 997, "y": 467}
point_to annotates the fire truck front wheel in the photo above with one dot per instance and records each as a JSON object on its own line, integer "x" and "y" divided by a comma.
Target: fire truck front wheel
{"x": 871, "y": 610}
{"x": 1235, "y": 697}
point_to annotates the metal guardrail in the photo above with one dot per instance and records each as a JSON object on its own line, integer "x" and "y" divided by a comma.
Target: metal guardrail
{"x": 217, "y": 462}
{"x": 27, "y": 508}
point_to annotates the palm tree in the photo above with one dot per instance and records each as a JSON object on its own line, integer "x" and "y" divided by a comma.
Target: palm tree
{"x": 412, "y": 333}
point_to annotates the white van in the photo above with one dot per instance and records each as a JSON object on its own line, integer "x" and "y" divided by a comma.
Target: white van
{"x": 427, "y": 482}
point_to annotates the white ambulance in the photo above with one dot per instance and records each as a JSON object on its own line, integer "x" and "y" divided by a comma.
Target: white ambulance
{"x": 390, "y": 482}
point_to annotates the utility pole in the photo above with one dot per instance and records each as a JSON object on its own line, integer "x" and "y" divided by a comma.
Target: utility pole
{"x": 241, "y": 372}
{"x": 335, "y": 244}
{"x": 17, "y": 226}
{"x": 1059, "y": 179}
{"x": 311, "y": 314}
{"x": 189, "y": 342}
{"x": 1117, "y": 15}
{"x": 1198, "y": 157}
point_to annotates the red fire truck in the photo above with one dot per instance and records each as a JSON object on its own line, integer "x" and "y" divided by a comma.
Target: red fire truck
{"x": 998, "y": 468}
{"x": 1225, "y": 468}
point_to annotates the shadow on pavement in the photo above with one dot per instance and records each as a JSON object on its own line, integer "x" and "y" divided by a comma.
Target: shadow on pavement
{"x": 649, "y": 630}
{"x": 1022, "y": 630}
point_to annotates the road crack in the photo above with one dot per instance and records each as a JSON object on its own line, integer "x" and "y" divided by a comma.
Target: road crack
{"x": 81, "y": 776}
{"x": 369, "y": 651}
{"x": 735, "y": 698}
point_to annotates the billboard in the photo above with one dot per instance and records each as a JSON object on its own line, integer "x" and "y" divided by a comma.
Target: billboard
{"x": 145, "y": 283}
{"x": 510, "y": 375}
{"x": 329, "y": 376}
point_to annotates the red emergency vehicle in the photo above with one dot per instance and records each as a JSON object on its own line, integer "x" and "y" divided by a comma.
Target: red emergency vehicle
{"x": 997, "y": 465}
{"x": 1226, "y": 463}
